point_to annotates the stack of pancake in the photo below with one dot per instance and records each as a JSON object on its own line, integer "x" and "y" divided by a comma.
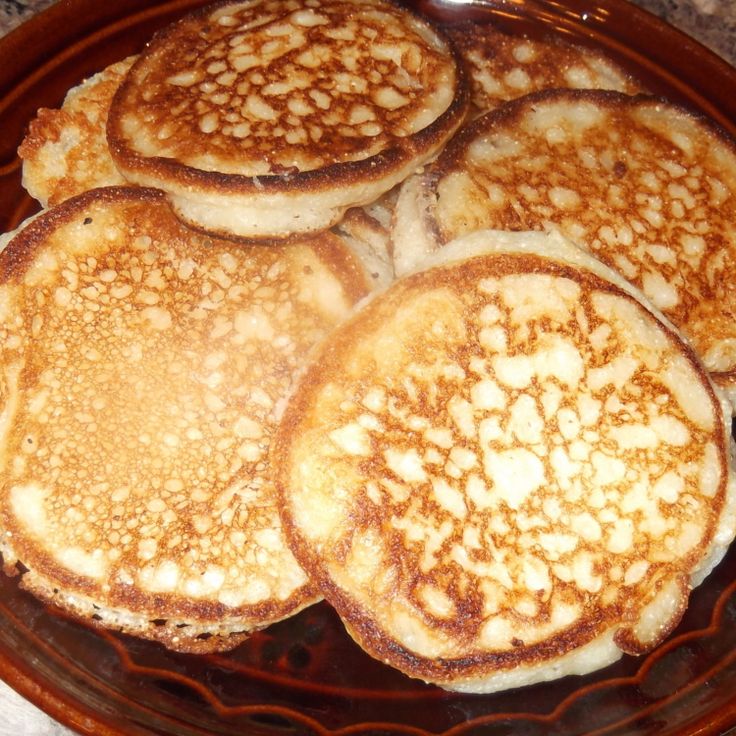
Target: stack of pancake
{"x": 328, "y": 301}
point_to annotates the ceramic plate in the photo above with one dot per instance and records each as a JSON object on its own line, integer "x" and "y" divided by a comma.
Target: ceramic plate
{"x": 305, "y": 676}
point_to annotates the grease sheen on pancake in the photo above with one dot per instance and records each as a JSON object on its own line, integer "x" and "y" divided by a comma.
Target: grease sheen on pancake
{"x": 506, "y": 468}
{"x": 263, "y": 119}
{"x": 143, "y": 371}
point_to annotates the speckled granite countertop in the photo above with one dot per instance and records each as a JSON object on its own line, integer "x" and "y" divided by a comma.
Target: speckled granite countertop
{"x": 712, "y": 22}
{"x": 14, "y": 12}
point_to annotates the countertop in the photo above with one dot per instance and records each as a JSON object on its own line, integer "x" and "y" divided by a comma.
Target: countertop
{"x": 712, "y": 22}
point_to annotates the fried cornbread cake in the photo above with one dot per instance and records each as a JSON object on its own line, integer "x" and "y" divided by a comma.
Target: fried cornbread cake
{"x": 506, "y": 468}
{"x": 143, "y": 370}
{"x": 265, "y": 119}
{"x": 64, "y": 151}
{"x": 648, "y": 187}
{"x": 503, "y": 66}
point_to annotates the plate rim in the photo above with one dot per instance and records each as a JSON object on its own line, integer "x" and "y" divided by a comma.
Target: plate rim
{"x": 61, "y": 42}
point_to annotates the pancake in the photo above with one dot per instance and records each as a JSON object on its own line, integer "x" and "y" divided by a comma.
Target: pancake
{"x": 144, "y": 369}
{"x": 503, "y": 66}
{"x": 647, "y": 186}
{"x": 266, "y": 119}
{"x": 506, "y": 468}
{"x": 64, "y": 151}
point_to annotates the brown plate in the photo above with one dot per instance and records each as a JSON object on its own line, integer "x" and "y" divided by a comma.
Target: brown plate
{"x": 305, "y": 676}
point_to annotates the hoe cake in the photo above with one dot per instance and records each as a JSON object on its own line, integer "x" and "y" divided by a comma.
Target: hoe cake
{"x": 503, "y": 66}
{"x": 265, "y": 119}
{"x": 64, "y": 151}
{"x": 506, "y": 468}
{"x": 646, "y": 186}
{"x": 143, "y": 370}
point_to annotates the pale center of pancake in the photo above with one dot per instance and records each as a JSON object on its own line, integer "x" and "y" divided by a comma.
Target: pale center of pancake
{"x": 513, "y": 455}
{"x": 154, "y": 363}
{"x": 279, "y": 87}
{"x": 649, "y": 190}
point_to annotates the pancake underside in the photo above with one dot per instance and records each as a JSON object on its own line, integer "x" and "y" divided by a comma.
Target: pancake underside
{"x": 645, "y": 186}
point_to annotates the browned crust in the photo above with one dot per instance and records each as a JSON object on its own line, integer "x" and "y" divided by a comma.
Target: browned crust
{"x": 329, "y": 363}
{"x": 46, "y": 126}
{"x": 509, "y": 116}
{"x": 54, "y": 583}
{"x": 553, "y": 56}
{"x": 512, "y": 111}
{"x": 327, "y": 178}
{"x": 167, "y": 621}
{"x": 14, "y": 260}
{"x": 57, "y": 581}
{"x": 80, "y": 119}
{"x": 626, "y": 639}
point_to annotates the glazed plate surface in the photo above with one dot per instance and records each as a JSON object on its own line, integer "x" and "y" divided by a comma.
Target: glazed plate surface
{"x": 305, "y": 676}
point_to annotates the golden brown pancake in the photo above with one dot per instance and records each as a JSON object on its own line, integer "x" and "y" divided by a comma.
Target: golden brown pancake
{"x": 506, "y": 468}
{"x": 65, "y": 151}
{"x": 503, "y": 66}
{"x": 143, "y": 371}
{"x": 647, "y": 186}
{"x": 265, "y": 119}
